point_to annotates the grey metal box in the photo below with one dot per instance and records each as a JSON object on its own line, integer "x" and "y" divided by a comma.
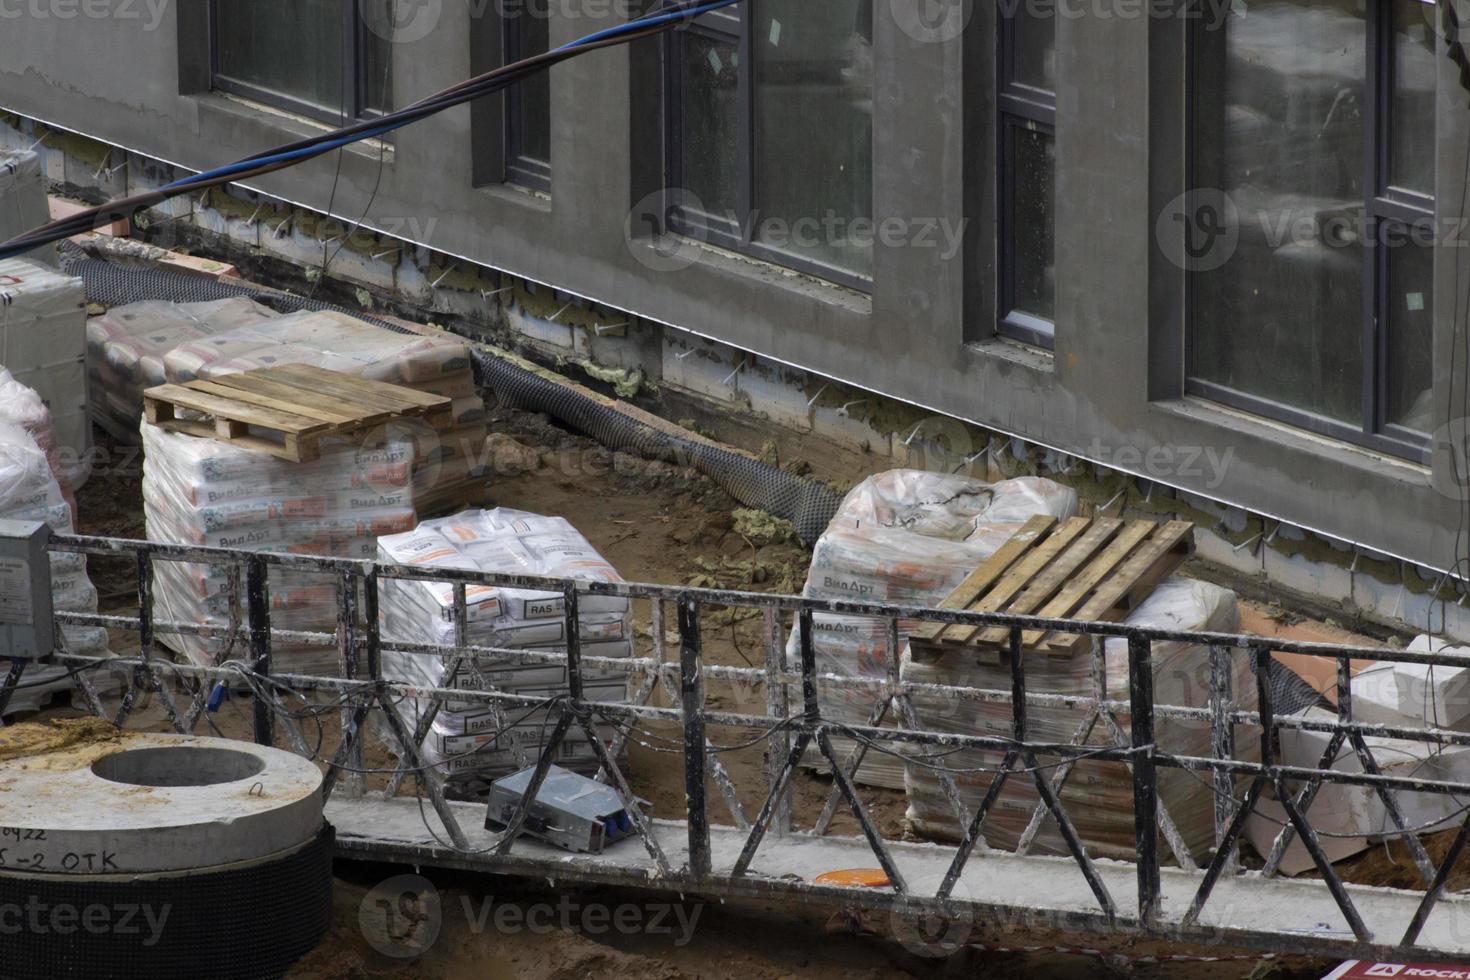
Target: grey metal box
{"x": 570, "y": 811}
{"x": 27, "y": 626}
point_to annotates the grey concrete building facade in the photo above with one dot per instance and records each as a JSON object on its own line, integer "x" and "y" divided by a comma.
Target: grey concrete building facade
{"x": 921, "y": 318}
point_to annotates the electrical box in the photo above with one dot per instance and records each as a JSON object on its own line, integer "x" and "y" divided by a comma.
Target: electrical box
{"x": 27, "y": 626}
{"x": 570, "y": 811}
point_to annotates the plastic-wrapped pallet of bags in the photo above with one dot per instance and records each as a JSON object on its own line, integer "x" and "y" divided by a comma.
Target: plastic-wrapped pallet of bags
{"x": 907, "y": 537}
{"x": 470, "y": 743}
{"x": 450, "y": 469}
{"x": 23, "y": 203}
{"x": 20, "y": 405}
{"x": 29, "y": 492}
{"x": 1098, "y": 796}
{"x": 126, "y": 346}
{"x": 43, "y": 342}
{"x": 204, "y": 492}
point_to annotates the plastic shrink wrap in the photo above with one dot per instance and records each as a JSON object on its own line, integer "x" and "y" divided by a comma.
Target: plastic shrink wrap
{"x": 43, "y": 342}
{"x": 1097, "y": 796}
{"x": 29, "y": 492}
{"x": 126, "y": 346}
{"x": 23, "y": 204}
{"x": 20, "y": 405}
{"x": 907, "y": 537}
{"x": 203, "y": 492}
{"x": 473, "y": 743}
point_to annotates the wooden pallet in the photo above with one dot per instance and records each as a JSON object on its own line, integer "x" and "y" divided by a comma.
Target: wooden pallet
{"x": 287, "y": 411}
{"x": 1083, "y": 568}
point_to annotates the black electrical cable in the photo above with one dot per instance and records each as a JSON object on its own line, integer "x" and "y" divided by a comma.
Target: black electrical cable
{"x": 489, "y": 82}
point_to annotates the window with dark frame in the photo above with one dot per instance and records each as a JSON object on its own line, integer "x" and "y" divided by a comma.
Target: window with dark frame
{"x": 769, "y": 123}
{"x": 1311, "y": 251}
{"x": 1026, "y": 185}
{"x": 527, "y": 33}
{"x": 317, "y": 58}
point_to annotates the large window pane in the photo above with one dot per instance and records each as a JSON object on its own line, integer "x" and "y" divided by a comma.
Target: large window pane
{"x": 1034, "y": 47}
{"x": 377, "y": 55}
{"x": 709, "y": 122}
{"x": 292, "y": 47}
{"x": 1411, "y": 143}
{"x": 1032, "y": 169}
{"x": 813, "y": 130}
{"x": 1410, "y": 347}
{"x": 529, "y": 32}
{"x": 1280, "y": 129}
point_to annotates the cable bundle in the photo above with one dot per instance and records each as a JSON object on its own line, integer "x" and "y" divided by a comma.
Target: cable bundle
{"x": 291, "y": 154}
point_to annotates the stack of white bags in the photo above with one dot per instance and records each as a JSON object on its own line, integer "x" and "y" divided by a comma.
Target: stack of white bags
{"x": 29, "y": 491}
{"x": 904, "y": 537}
{"x": 470, "y": 742}
{"x": 1098, "y": 796}
{"x": 203, "y": 492}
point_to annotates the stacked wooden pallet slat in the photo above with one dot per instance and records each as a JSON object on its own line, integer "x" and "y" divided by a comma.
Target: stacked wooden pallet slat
{"x": 1081, "y": 568}
{"x": 287, "y": 411}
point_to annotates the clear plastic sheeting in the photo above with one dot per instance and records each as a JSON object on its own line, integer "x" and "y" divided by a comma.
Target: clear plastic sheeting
{"x": 203, "y": 492}
{"x": 1354, "y": 816}
{"x": 43, "y": 342}
{"x": 471, "y": 743}
{"x": 20, "y": 405}
{"x": 1098, "y": 796}
{"x": 29, "y": 492}
{"x": 127, "y": 344}
{"x": 23, "y": 204}
{"x": 906, "y": 537}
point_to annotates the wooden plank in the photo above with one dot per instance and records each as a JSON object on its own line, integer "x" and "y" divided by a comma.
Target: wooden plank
{"x": 1077, "y": 590}
{"x": 1055, "y": 576}
{"x": 315, "y": 383}
{"x": 1019, "y": 576}
{"x": 257, "y": 443}
{"x": 228, "y": 408}
{"x": 369, "y": 386}
{"x": 260, "y": 391}
{"x": 345, "y": 413}
{"x": 1157, "y": 558}
{"x": 322, "y": 395}
{"x": 985, "y": 576}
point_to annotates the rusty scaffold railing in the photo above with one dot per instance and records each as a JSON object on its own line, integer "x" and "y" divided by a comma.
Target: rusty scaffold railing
{"x": 794, "y": 725}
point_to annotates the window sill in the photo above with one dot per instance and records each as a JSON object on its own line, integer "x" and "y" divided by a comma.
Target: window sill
{"x": 672, "y": 253}
{"x": 517, "y": 195}
{"x": 228, "y": 112}
{"x": 1002, "y": 348}
{"x": 1193, "y": 409}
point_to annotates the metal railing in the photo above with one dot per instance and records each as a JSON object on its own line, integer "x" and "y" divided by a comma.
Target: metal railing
{"x": 794, "y": 723}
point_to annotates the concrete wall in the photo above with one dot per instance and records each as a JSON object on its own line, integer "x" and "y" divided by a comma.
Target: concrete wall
{"x": 1111, "y": 392}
